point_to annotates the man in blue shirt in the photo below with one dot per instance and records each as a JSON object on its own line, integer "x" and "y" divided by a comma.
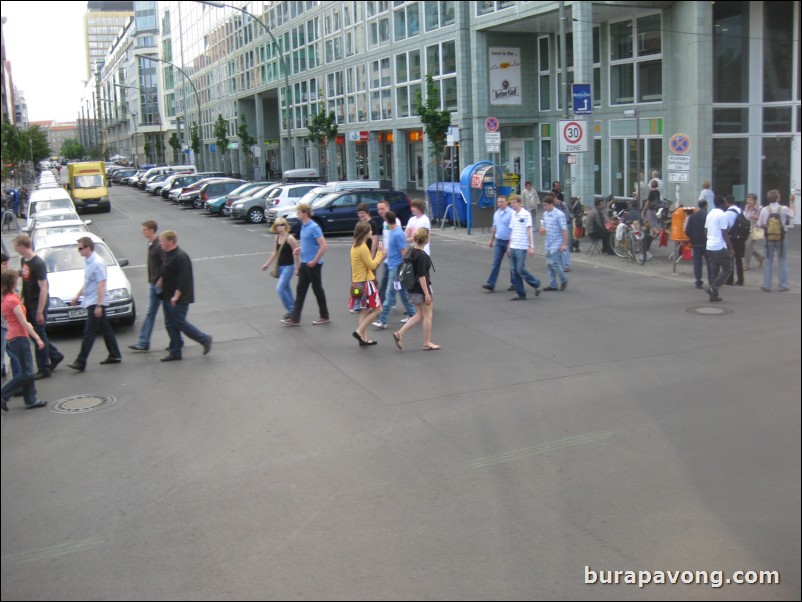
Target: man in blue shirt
{"x": 499, "y": 241}
{"x": 96, "y": 299}
{"x": 554, "y": 226}
{"x": 396, "y": 249}
{"x": 313, "y": 247}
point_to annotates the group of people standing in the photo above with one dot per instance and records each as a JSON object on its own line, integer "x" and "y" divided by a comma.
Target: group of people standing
{"x": 376, "y": 241}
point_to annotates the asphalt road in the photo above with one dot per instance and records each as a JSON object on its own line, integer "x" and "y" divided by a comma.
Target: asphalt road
{"x": 600, "y": 429}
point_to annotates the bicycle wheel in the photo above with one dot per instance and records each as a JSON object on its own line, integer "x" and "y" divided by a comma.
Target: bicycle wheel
{"x": 637, "y": 246}
{"x": 620, "y": 247}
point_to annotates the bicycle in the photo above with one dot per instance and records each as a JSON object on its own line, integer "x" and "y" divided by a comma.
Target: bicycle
{"x": 627, "y": 242}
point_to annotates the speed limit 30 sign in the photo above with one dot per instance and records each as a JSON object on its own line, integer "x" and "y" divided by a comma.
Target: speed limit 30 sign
{"x": 573, "y": 136}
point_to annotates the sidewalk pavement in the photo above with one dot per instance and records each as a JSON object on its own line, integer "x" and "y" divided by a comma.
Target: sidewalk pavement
{"x": 660, "y": 266}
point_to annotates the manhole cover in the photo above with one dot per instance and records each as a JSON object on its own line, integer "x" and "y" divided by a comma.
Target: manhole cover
{"x": 78, "y": 404}
{"x": 707, "y": 310}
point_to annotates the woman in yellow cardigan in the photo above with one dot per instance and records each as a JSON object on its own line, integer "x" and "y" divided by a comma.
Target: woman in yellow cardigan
{"x": 362, "y": 266}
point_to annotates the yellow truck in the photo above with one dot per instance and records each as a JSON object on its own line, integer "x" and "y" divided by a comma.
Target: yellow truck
{"x": 88, "y": 187}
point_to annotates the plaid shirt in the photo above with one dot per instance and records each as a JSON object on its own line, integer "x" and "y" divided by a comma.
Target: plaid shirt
{"x": 554, "y": 222}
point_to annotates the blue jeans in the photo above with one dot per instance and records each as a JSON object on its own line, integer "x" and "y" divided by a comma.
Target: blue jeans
{"x": 383, "y": 284}
{"x": 499, "y": 250}
{"x": 554, "y": 261}
{"x": 389, "y": 299}
{"x": 15, "y": 367}
{"x": 519, "y": 273}
{"x": 20, "y": 348}
{"x": 776, "y": 247}
{"x": 91, "y": 329}
{"x": 283, "y": 289}
{"x": 150, "y": 316}
{"x": 175, "y": 321}
{"x": 700, "y": 260}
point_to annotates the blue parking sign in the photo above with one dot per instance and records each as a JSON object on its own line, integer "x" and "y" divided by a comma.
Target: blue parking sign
{"x": 582, "y": 95}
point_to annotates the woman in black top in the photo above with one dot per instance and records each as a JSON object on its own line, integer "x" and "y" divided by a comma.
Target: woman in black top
{"x": 287, "y": 262}
{"x": 421, "y": 294}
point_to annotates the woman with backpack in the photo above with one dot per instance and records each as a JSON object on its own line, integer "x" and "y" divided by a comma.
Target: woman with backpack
{"x": 420, "y": 295}
{"x": 364, "y": 292}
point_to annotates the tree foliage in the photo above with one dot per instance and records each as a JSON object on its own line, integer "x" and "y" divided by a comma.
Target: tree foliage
{"x": 175, "y": 144}
{"x": 435, "y": 121}
{"x": 245, "y": 139}
{"x": 322, "y": 128}
{"x": 221, "y": 134}
{"x": 71, "y": 149}
{"x": 196, "y": 140}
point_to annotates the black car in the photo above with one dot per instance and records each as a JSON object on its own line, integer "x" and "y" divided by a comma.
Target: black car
{"x": 336, "y": 212}
{"x": 210, "y": 190}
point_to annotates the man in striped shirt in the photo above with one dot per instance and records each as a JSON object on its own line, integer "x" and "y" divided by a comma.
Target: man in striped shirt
{"x": 521, "y": 244}
{"x": 554, "y": 226}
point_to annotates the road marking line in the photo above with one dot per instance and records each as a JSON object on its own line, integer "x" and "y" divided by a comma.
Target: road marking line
{"x": 540, "y": 449}
{"x": 53, "y": 551}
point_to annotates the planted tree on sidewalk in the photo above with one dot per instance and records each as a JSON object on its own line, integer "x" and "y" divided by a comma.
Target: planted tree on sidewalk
{"x": 436, "y": 122}
{"x": 322, "y": 128}
{"x": 175, "y": 144}
{"x": 246, "y": 141}
{"x": 221, "y": 138}
{"x": 195, "y": 143}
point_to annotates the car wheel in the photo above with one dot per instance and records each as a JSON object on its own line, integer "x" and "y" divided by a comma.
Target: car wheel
{"x": 196, "y": 204}
{"x": 256, "y": 215}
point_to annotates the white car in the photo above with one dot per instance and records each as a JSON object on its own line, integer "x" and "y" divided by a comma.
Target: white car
{"x": 65, "y": 277}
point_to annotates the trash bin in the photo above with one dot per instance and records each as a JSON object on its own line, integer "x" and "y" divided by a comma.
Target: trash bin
{"x": 678, "y": 219}
{"x": 512, "y": 180}
{"x": 449, "y": 194}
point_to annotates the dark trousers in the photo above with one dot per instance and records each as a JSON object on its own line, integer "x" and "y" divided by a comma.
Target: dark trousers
{"x": 49, "y": 353}
{"x": 20, "y": 347}
{"x": 175, "y": 322}
{"x": 94, "y": 326}
{"x": 700, "y": 261}
{"x": 307, "y": 276}
{"x": 604, "y": 236}
{"x": 720, "y": 268}
{"x": 740, "y": 249}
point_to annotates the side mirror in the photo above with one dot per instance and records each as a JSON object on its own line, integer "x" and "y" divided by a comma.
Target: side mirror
{"x": 88, "y": 222}
{"x": 122, "y": 262}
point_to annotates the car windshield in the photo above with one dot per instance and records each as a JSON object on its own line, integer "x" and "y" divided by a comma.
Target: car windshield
{"x": 93, "y": 181}
{"x": 53, "y": 204}
{"x": 67, "y": 258}
{"x": 247, "y": 187}
{"x": 45, "y": 218}
{"x": 48, "y": 230}
{"x": 321, "y": 202}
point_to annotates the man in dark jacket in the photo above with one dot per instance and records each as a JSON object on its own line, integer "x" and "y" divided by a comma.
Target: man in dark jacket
{"x": 695, "y": 231}
{"x": 178, "y": 292}
{"x": 598, "y": 227}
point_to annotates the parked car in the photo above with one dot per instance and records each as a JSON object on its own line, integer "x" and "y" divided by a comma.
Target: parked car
{"x": 189, "y": 194}
{"x": 283, "y": 195}
{"x": 154, "y": 182}
{"x": 42, "y": 230}
{"x": 216, "y": 188}
{"x": 336, "y": 212}
{"x": 215, "y": 205}
{"x": 119, "y": 175}
{"x": 65, "y": 277}
{"x": 179, "y": 184}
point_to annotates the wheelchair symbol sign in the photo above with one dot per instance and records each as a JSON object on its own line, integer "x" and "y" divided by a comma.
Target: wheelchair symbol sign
{"x": 679, "y": 144}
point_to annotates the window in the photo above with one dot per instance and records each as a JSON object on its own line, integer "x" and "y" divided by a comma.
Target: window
{"x": 441, "y": 64}
{"x": 544, "y": 70}
{"x": 438, "y": 14}
{"x": 381, "y": 96}
{"x": 778, "y": 52}
{"x": 407, "y": 82}
{"x": 485, "y": 8}
{"x": 731, "y": 51}
{"x": 407, "y": 21}
{"x": 636, "y": 66}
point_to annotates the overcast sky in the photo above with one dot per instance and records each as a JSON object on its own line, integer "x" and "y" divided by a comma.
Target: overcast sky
{"x": 45, "y": 46}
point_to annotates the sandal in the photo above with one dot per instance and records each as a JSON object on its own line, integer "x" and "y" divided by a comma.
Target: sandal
{"x": 367, "y": 343}
{"x": 431, "y": 347}
{"x": 398, "y": 342}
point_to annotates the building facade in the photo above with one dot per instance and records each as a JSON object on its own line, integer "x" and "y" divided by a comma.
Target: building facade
{"x": 102, "y": 24}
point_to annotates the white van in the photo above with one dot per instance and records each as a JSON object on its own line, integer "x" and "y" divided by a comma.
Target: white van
{"x": 49, "y": 198}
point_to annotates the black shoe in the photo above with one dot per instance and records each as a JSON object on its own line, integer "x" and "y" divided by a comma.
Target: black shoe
{"x": 111, "y": 360}
{"x": 518, "y": 298}
{"x": 537, "y": 292}
{"x": 564, "y": 285}
{"x": 139, "y": 347}
{"x": 510, "y": 288}
{"x": 171, "y": 358}
{"x": 41, "y": 374}
{"x": 76, "y": 366}
{"x": 487, "y": 287}
{"x": 54, "y": 362}
{"x": 207, "y": 346}
{"x": 4, "y": 405}
{"x": 38, "y": 404}
{"x": 551, "y": 288}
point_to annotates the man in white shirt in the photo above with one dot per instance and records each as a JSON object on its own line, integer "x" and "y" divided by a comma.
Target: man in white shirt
{"x": 719, "y": 249}
{"x": 521, "y": 244}
{"x": 419, "y": 219}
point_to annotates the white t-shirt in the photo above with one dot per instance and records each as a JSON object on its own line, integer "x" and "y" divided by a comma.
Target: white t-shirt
{"x": 422, "y": 221}
{"x": 520, "y": 225}
{"x": 716, "y": 222}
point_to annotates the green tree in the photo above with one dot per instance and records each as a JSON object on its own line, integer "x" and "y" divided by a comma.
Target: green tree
{"x": 11, "y": 149}
{"x": 71, "y": 149}
{"x": 221, "y": 136}
{"x": 147, "y": 148}
{"x": 246, "y": 141}
{"x": 34, "y": 140}
{"x": 175, "y": 144}
{"x": 435, "y": 122}
{"x": 195, "y": 141}
{"x": 322, "y": 128}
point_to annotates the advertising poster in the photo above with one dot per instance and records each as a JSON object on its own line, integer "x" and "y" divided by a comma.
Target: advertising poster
{"x": 505, "y": 76}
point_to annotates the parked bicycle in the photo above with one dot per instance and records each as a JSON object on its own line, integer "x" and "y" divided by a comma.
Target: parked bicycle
{"x": 627, "y": 241}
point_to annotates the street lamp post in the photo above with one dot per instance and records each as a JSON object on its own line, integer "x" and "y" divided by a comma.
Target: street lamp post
{"x": 136, "y": 136}
{"x": 194, "y": 89}
{"x": 285, "y": 66}
{"x": 636, "y": 114}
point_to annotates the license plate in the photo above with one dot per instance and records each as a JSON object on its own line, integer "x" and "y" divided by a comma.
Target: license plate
{"x": 77, "y": 313}
{"x": 90, "y": 204}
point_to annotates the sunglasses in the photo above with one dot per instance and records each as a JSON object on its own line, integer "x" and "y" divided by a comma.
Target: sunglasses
{"x": 81, "y": 248}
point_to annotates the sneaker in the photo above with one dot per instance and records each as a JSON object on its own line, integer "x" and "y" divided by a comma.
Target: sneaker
{"x": 487, "y": 287}
{"x": 290, "y": 322}
{"x": 518, "y": 298}
{"x": 54, "y": 362}
{"x": 207, "y": 346}
{"x": 139, "y": 347}
{"x": 510, "y": 288}
{"x": 320, "y": 321}
{"x": 566, "y": 269}
{"x": 38, "y": 404}
{"x": 405, "y": 320}
{"x": 564, "y": 285}
{"x": 379, "y": 324}
{"x": 41, "y": 374}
